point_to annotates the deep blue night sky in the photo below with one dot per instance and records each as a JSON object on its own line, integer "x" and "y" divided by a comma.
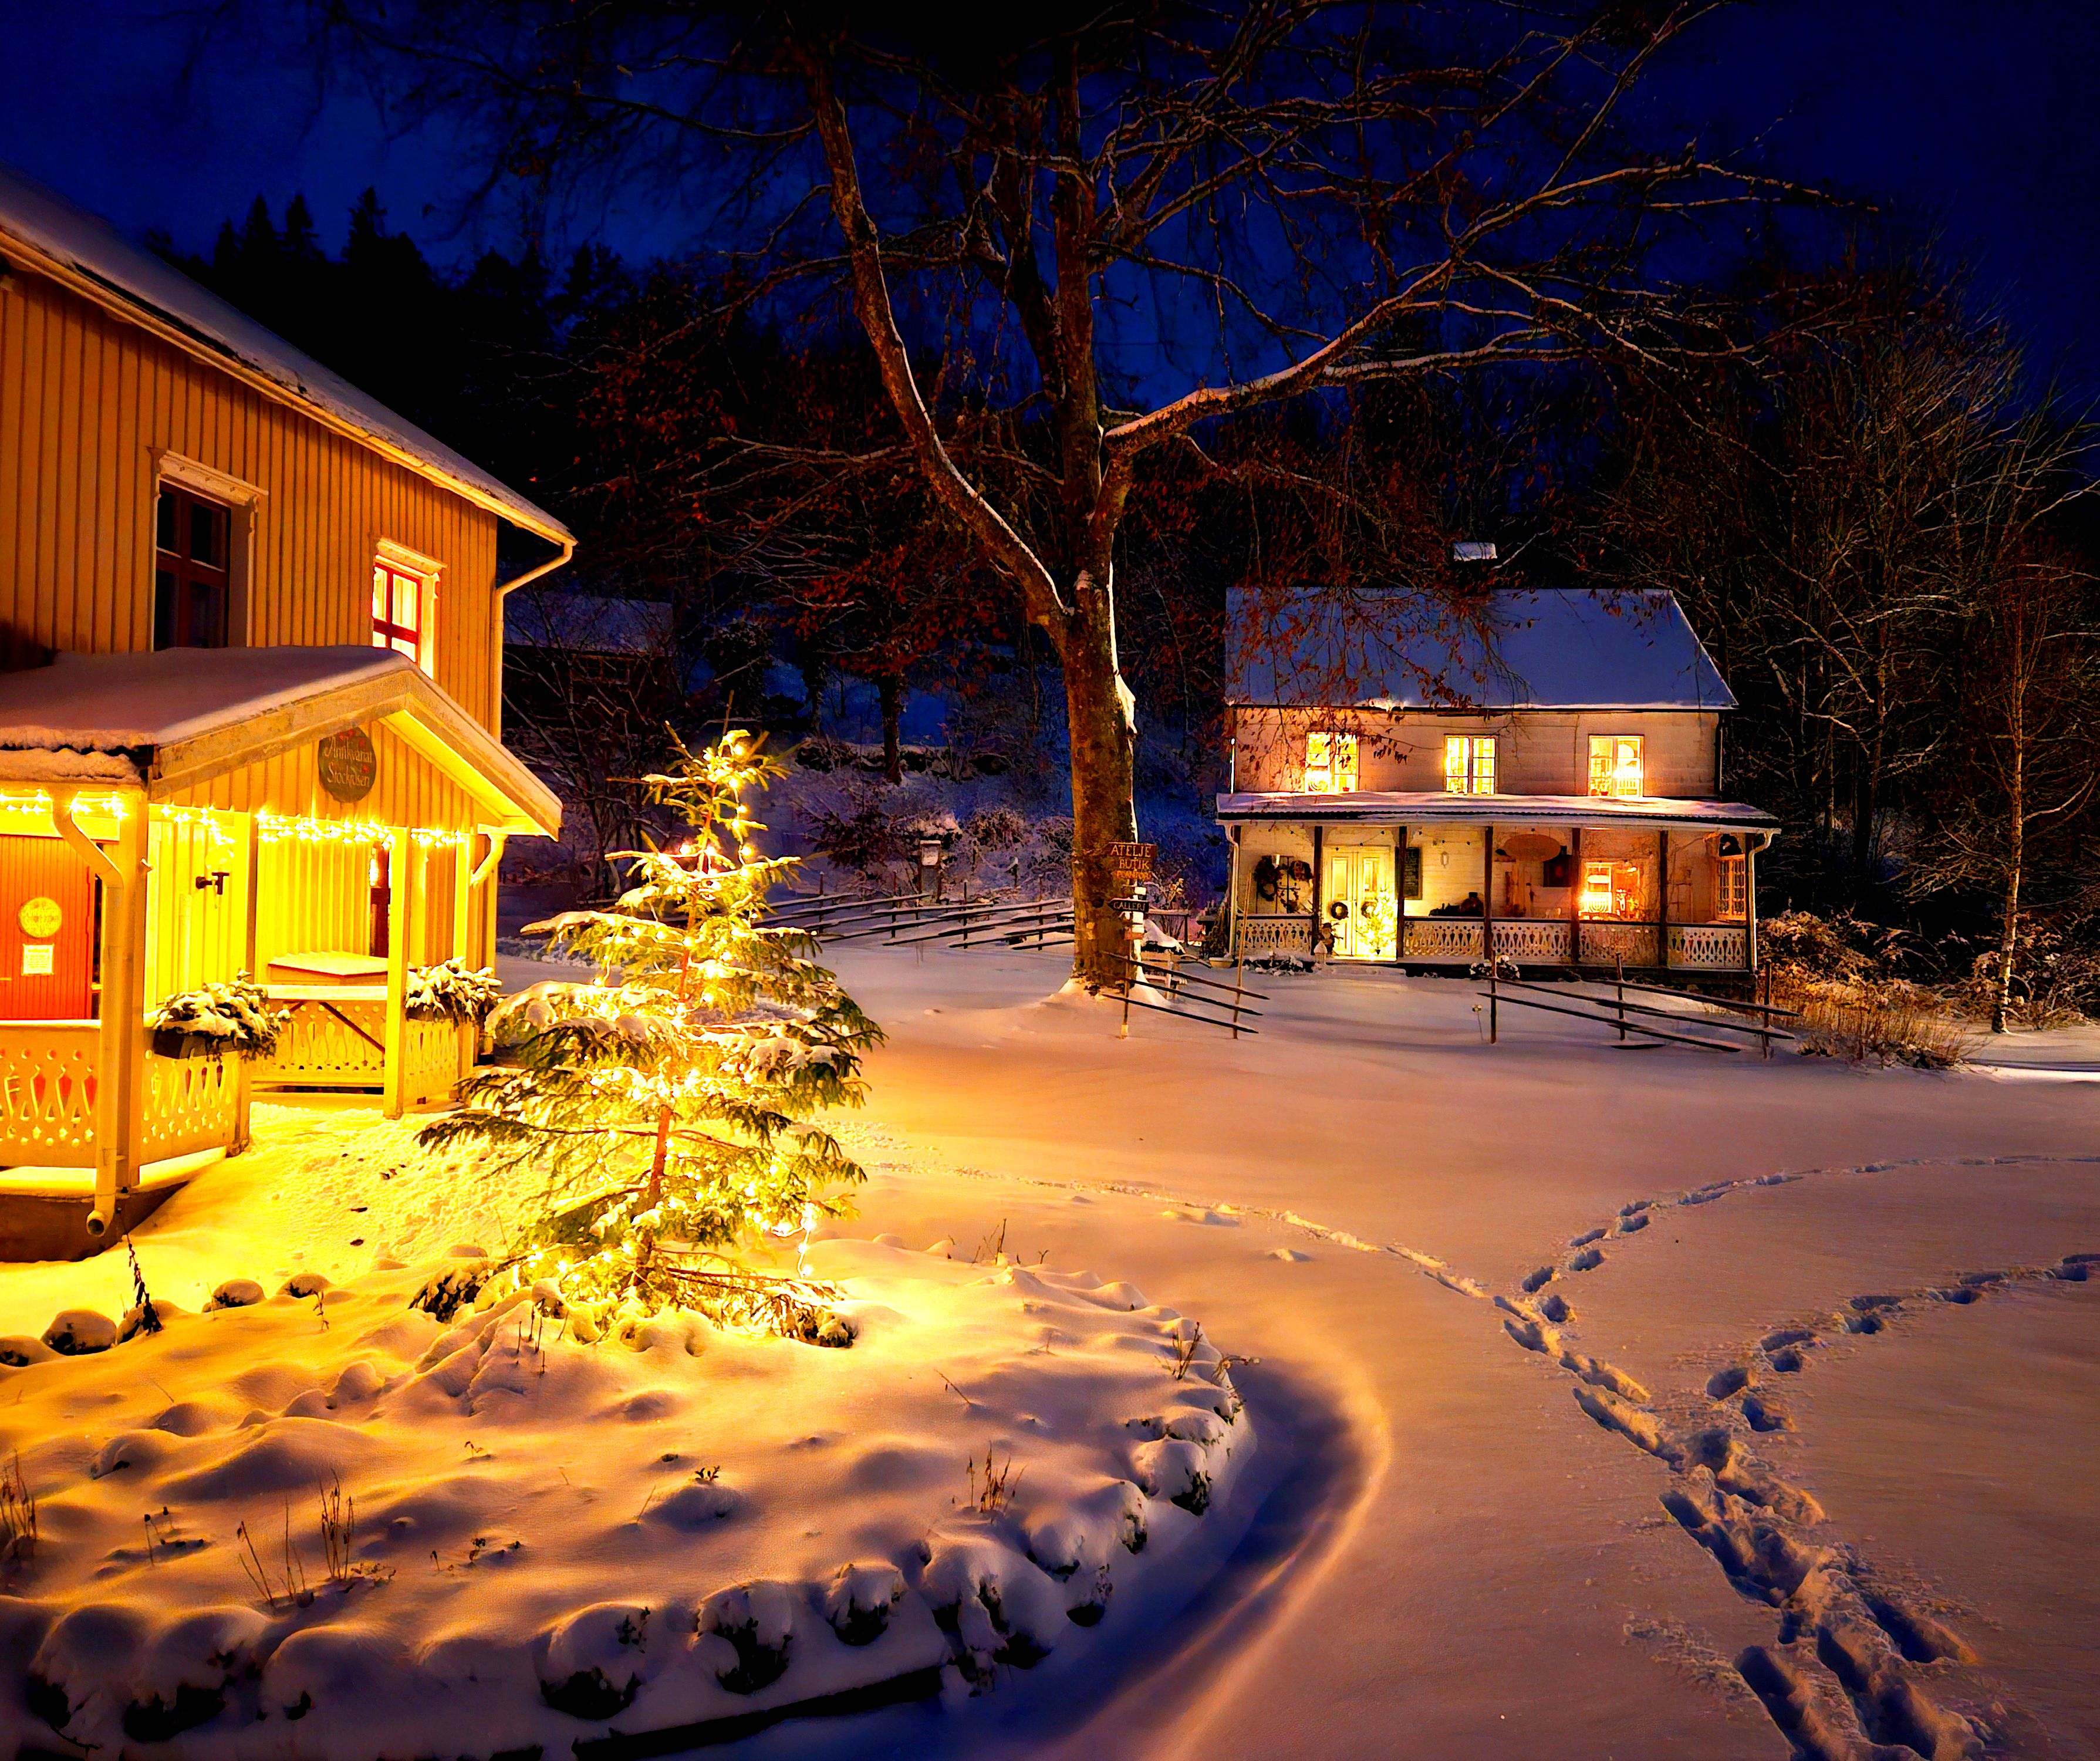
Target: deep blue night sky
{"x": 1973, "y": 122}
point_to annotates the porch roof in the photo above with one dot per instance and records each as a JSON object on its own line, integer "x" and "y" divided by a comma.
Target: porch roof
{"x": 179, "y": 717}
{"x": 1396, "y": 807}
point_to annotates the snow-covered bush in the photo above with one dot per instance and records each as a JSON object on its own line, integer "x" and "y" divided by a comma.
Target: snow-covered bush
{"x": 866, "y": 834}
{"x": 997, "y": 827}
{"x": 670, "y": 1109}
{"x": 228, "y": 1014}
{"x": 453, "y": 991}
{"x": 2055, "y": 977}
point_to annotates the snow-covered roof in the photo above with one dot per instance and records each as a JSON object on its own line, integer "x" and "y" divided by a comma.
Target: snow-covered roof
{"x": 40, "y": 218}
{"x": 586, "y": 622}
{"x": 1403, "y": 807}
{"x": 177, "y": 718}
{"x": 1554, "y": 649}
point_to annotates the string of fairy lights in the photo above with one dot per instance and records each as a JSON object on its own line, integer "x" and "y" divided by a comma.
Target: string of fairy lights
{"x": 270, "y": 827}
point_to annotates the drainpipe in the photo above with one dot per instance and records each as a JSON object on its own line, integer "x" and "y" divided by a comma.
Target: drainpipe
{"x": 504, "y": 589}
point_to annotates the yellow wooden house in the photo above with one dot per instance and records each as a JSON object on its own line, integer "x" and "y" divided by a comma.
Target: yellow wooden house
{"x": 251, "y": 630}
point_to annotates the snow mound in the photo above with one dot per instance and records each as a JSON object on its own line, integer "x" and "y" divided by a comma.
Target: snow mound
{"x": 371, "y": 1532}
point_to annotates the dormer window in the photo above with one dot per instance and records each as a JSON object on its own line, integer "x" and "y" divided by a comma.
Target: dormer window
{"x": 1469, "y": 764}
{"x": 1330, "y": 764}
{"x": 1615, "y": 764}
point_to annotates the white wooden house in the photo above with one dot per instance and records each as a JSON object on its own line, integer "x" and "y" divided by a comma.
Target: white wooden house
{"x": 1538, "y": 773}
{"x": 251, "y": 628}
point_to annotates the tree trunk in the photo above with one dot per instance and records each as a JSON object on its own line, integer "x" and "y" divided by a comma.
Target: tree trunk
{"x": 1102, "y": 776}
{"x": 891, "y": 689}
{"x": 2008, "y": 941}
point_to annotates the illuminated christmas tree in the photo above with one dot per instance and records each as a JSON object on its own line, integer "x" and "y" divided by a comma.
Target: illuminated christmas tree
{"x": 668, "y": 1100}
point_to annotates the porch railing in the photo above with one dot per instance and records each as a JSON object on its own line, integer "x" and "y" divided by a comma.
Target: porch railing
{"x": 48, "y": 1083}
{"x": 1713, "y": 946}
{"x": 1444, "y": 938}
{"x": 1277, "y": 932}
{"x": 1531, "y": 940}
{"x": 1608, "y": 944}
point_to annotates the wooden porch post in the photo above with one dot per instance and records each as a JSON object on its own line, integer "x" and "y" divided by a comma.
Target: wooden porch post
{"x": 462, "y": 895}
{"x": 1313, "y": 940}
{"x": 1662, "y": 899}
{"x": 1400, "y": 895}
{"x": 121, "y": 1061}
{"x": 1575, "y": 896}
{"x": 1487, "y": 898}
{"x": 1751, "y": 844}
{"x": 401, "y": 875}
{"x": 1232, "y": 896}
{"x": 250, "y": 946}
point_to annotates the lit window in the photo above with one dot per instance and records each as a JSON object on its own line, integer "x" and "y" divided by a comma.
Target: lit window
{"x": 1615, "y": 764}
{"x": 1731, "y": 890}
{"x": 1611, "y": 889}
{"x": 401, "y": 606}
{"x": 1330, "y": 764}
{"x": 1469, "y": 764}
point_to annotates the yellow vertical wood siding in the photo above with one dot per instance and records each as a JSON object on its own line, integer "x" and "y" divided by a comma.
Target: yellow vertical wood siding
{"x": 86, "y": 400}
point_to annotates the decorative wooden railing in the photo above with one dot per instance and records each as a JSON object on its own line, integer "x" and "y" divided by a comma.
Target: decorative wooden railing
{"x": 47, "y": 1094}
{"x": 339, "y": 1041}
{"x": 1276, "y": 933}
{"x": 1444, "y": 938}
{"x": 1531, "y": 940}
{"x": 192, "y": 1104}
{"x": 1714, "y": 947}
{"x": 47, "y": 1084}
{"x": 1607, "y": 944}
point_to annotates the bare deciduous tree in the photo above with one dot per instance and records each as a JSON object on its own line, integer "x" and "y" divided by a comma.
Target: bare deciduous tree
{"x": 1076, "y": 240}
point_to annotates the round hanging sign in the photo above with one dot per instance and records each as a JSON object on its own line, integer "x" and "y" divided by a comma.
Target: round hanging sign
{"x": 348, "y": 765}
{"x": 40, "y": 918}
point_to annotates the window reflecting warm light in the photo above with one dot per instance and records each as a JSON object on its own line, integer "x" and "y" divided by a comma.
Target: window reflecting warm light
{"x": 1330, "y": 764}
{"x": 1469, "y": 764}
{"x": 1615, "y": 764}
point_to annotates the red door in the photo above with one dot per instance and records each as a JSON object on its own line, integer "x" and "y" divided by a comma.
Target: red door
{"x": 46, "y": 931}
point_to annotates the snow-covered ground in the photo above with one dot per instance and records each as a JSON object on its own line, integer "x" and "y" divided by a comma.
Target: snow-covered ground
{"x": 1544, "y": 1524}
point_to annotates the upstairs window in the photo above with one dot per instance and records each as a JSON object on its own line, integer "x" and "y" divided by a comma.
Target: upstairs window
{"x": 1330, "y": 764}
{"x": 191, "y": 585}
{"x": 1615, "y": 764}
{"x": 401, "y": 607}
{"x": 1469, "y": 764}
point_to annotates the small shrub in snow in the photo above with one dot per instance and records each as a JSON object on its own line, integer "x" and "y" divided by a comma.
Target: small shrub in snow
{"x": 75, "y": 1332}
{"x": 756, "y": 1622}
{"x": 18, "y": 1518}
{"x": 230, "y": 1015}
{"x": 1503, "y": 967}
{"x": 235, "y": 1293}
{"x": 1280, "y": 963}
{"x": 997, "y": 828}
{"x": 858, "y": 1602}
{"x": 453, "y": 991}
{"x": 670, "y": 1110}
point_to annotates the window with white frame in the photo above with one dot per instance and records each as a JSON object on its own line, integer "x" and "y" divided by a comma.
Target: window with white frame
{"x": 1615, "y": 764}
{"x": 1731, "y": 890}
{"x": 1330, "y": 764}
{"x": 403, "y": 604}
{"x": 1469, "y": 764}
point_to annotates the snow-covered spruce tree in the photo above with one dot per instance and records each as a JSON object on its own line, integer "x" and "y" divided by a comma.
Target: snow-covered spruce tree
{"x": 668, "y": 1100}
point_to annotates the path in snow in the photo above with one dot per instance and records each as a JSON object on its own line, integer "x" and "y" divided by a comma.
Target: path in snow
{"x": 1486, "y": 1579}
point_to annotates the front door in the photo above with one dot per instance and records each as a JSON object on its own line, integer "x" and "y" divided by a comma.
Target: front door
{"x": 46, "y": 931}
{"x": 1356, "y": 896}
